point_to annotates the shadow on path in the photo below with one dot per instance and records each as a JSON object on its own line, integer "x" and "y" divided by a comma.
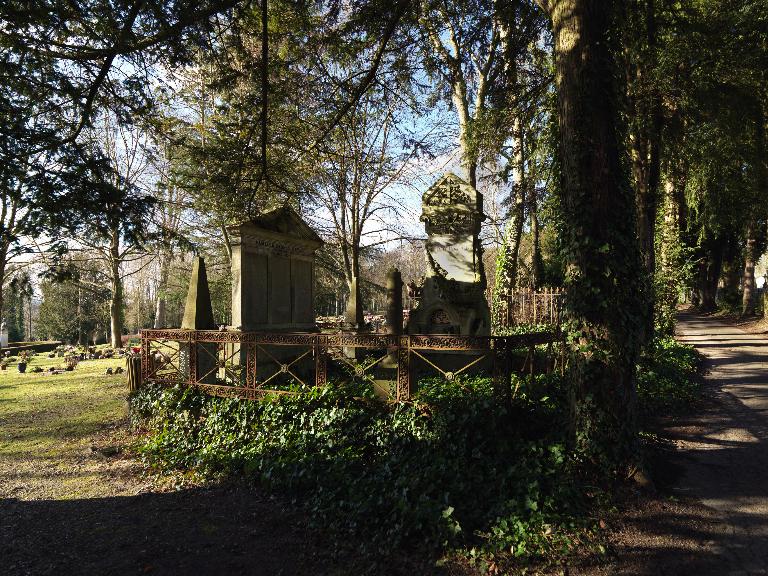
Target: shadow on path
{"x": 199, "y": 531}
{"x": 713, "y": 518}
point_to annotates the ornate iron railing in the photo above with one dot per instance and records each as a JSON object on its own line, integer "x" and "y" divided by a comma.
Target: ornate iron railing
{"x": 254, "y": 364}
{"x": 529, "y": 307}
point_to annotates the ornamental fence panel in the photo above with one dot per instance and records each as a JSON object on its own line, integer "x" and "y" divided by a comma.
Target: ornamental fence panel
{"x": 530, "y": 307}
{"x": 252, "y": 365}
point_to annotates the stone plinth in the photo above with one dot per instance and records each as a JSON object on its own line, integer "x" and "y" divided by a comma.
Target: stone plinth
{"x": 453, "y": 297}
{"x": 273, "y": 271}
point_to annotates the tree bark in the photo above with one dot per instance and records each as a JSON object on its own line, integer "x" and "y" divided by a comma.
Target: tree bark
{"x": 670, "y": 260}
{"x": 162, "y": 285}
{"x": 508, "y": 259}
{"x": 2, "y": 276}
{"x": 537, "y": 263}
{"x": 646, "y": 159}
{"x": 710, "y": 267}
{"x": 748, "y": 279}
{"x": 80, "y": 316}
{"x": 732, "y": 269}
{"x": 354, "y": 311}
{"x": 116, "y": 283}
{"x": 603, "y": 260}
{"x": 757, "y": 232}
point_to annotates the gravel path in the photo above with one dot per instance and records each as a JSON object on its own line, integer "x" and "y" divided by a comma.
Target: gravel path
{"x": 725, "y": 447}
{"x": 710, "y": 514}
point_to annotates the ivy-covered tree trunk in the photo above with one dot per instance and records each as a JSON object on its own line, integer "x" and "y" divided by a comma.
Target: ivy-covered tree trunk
{"x": 670, "y": 276}
{"x": 600, "y": 240}
{"x": 508, "y": 258}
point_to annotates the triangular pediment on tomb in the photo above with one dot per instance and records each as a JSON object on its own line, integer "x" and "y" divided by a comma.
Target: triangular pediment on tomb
{"x": 450, "y": 190}
{"x": 282, "y": 222}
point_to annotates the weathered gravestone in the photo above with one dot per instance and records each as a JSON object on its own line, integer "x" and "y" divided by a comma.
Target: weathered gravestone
{"x": 3, "y": 335}
{"x": 198, "y": 315}
{"x": 384, "y": 383}
{"x": 273, "y": 270}
{"x": 453, "y": 297}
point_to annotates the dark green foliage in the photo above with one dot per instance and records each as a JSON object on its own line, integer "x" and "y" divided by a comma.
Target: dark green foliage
{"x": 523, "y": 329}
{"x": 666, "y": 379}
{"x": 71, "y": 313}
{"x": 453, "y": 468}
{"x": 16, "y": 305}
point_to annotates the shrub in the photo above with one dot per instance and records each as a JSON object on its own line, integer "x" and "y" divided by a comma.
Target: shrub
{"x": 454, "y": 468}
{"x": 667, "y": 377}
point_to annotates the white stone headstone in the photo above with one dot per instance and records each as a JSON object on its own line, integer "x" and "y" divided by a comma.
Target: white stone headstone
{"x": 3, "y": 335}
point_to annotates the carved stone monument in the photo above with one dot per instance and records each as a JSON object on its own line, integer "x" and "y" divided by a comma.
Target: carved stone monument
{"x": 453, "y": 297}
{"x": 273, "y": 273}
{"x": 3, "y": 335}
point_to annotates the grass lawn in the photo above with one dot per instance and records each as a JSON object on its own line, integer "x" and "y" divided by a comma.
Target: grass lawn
{"x": 61, "y": 433}
{"x": 75, "y": 500}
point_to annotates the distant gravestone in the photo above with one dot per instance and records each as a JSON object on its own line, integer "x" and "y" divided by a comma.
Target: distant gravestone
{"x": 198, "y": 315}
{"x": 453, "y": 297}
{"x": 273, "y": 273}
{"x": 198, "y": 310}
{"x": 3, "y": 334}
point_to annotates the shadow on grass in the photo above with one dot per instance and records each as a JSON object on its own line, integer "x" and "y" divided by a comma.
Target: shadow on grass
{"x": 225, "y": 530}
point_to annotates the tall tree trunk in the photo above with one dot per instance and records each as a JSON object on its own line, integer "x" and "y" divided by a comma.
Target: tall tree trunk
{"x": 2, "y": 296}
{"x": 757, "y": 232}
{"x": 29, "y": 318}
{"x": 80, "y": 317}
{"x": 670, "y": 261}
{"x": 468, "y": 154}
{"x": 710, "y": 267}
{"x": 537, "y": 263}
{"x": 646, "y": 159}
{"x": 603, "y": 259}
{"x": 732, "y": 268}
{"x": 162, "y": 286}
{"x": 508, "y": 258}
{"x": 748, "y": 279}
{"x": 116, "y": 283}
{"x": 354, "y": 311}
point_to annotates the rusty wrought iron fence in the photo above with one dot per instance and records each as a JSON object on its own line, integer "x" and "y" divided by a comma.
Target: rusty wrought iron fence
{"x": 530, "y": 307}
{"x": 254, "y": 364}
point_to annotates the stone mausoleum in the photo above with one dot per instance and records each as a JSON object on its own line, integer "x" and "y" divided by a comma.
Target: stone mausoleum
{"x": 453, "y": 296}
{"x": 273, "y": 273}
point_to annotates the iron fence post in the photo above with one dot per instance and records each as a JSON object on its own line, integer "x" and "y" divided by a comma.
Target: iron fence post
{"x": 192, "y": 351}
{"x": 403, "y": 369}
{"x": 321, "y": 366}
{"x": 145, "y": 367}
{"x": 251, "y": 366}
